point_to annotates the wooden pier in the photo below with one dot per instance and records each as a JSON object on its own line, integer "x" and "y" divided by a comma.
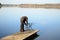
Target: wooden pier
{"x": 20, "y": 35}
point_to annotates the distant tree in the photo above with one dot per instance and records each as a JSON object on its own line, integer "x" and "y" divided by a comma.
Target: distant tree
{"x": 0, "y": 5}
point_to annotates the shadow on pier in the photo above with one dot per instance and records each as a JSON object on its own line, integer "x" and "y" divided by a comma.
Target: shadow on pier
{"x": 32, "y": 37}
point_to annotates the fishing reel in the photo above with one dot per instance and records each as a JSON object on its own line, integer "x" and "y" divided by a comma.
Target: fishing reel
{"x": 29, "y": 26}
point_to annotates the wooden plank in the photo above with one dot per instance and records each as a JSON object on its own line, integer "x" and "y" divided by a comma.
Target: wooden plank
{"x": 20, "y": 35}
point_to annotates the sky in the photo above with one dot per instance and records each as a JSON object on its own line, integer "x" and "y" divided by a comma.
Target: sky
{"x": 28, "y": 1}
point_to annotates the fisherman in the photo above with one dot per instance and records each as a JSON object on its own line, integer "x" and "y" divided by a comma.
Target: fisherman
{"x": 24, "y": 21}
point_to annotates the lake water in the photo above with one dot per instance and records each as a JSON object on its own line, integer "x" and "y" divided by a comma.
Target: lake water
{"x": 45, "y": 20}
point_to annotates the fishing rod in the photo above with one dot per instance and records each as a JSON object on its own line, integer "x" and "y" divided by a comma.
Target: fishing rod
{"x": 55, "y": 6}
